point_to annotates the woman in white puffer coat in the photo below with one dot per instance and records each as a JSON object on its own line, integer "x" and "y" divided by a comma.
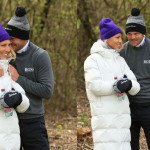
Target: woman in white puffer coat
{"x": 12, "y": 98}
{"x": 110, "y": 117}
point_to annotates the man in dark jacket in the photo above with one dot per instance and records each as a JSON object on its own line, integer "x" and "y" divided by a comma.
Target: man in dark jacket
{"x": 33, "y": 71}
{"x": 137, "y": 55}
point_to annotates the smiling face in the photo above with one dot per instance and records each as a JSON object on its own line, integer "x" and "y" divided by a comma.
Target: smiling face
{"x": 115, "y": 42}
{"x": 17, "y": 44}
{"x": 5, "y": 49}
{"x": 135, "y": 38}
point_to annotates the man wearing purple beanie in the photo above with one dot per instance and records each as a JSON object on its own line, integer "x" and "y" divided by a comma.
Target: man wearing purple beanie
{"x": 108, "y": 78}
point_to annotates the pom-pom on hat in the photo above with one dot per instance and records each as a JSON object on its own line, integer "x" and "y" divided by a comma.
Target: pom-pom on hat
{"x": 18, "y": 26}
{"x": 108, "y": 28}
{"x": 135, "y": 22}
{"x": 3, "y": 34}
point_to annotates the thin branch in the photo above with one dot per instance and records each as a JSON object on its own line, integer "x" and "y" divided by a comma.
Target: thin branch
{"x": 88, "y": 146}
{"x": 105, "y": 1}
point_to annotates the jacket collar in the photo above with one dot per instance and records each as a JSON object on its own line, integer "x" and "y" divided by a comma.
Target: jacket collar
{"x": 101, "y": 48}
{"x": 142, "y": 42}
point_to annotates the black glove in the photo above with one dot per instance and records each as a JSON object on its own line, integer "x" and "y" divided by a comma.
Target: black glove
{"x": 122, "y": 85}
{"x": 11, "y": 99}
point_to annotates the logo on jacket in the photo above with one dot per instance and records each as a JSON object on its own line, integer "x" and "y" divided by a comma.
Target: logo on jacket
{"x": 29, "y": 69}
{"x": 10, "y": 95}
{"x": 123, "y": 81}
{"x": 146, "y": 61}
{"x": 8, "y": 29}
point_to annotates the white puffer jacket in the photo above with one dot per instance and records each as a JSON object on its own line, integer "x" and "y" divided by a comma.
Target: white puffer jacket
{"x": 9, "y": 127}
{"x": 110, "y": 117}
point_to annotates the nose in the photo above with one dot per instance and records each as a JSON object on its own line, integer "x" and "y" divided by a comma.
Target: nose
{"x": 7, "y": 48}
{"x": 120, "y": 40}
{"x": 132, "y": 36}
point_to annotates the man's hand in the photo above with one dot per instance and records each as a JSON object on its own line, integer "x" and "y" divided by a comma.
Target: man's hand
{"x": 14, "y": 73}
{"x": 1, "y": 71}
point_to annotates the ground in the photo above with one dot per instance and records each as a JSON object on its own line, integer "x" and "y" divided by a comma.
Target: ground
{"x": 61, "y": 131}
{"x": 62, "y": 128}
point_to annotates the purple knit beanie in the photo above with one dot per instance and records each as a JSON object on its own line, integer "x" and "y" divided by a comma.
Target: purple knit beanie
{"x": 108, "y": 28}
{"x": 3, "y": 34}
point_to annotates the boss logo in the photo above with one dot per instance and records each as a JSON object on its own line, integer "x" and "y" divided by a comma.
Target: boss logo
{"x": 146, "y": 61}
{"x": 29, "y": 69}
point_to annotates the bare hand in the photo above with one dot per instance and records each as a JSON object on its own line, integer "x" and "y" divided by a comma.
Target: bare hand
{"x": 14, "y": 73}
{"x": 1, "y": 71}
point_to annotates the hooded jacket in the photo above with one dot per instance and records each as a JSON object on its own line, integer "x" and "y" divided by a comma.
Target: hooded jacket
{"x": 9, "y": 127}
{"x": 110, "y": 117}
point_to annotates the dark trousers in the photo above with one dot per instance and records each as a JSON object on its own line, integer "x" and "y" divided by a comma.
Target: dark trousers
{"x": 34, "y": 134}
{"x": 140, "y": 117}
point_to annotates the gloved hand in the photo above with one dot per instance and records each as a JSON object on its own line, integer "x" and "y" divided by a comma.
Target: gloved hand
{"x": 122, "y": 85}
{"x": 11, "y": 99}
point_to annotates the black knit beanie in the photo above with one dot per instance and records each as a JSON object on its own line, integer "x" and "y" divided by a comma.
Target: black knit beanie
{"x": 135, "y": 22}
{"x": 18, "y": 26}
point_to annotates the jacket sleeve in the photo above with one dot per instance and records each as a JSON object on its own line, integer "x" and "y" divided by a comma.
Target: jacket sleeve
{"x": 25, "y": 101}
{"x": 43, "y": 87}
{"x": 94, "y": 80}
{"x": 135, "y": 85}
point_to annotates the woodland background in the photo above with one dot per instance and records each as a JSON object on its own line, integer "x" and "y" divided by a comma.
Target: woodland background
{"x": 67, "y": 30}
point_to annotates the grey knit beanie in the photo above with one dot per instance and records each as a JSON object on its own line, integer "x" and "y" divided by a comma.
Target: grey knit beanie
{"x": 135, "y": 22}
{"x": 18, "y": 26}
